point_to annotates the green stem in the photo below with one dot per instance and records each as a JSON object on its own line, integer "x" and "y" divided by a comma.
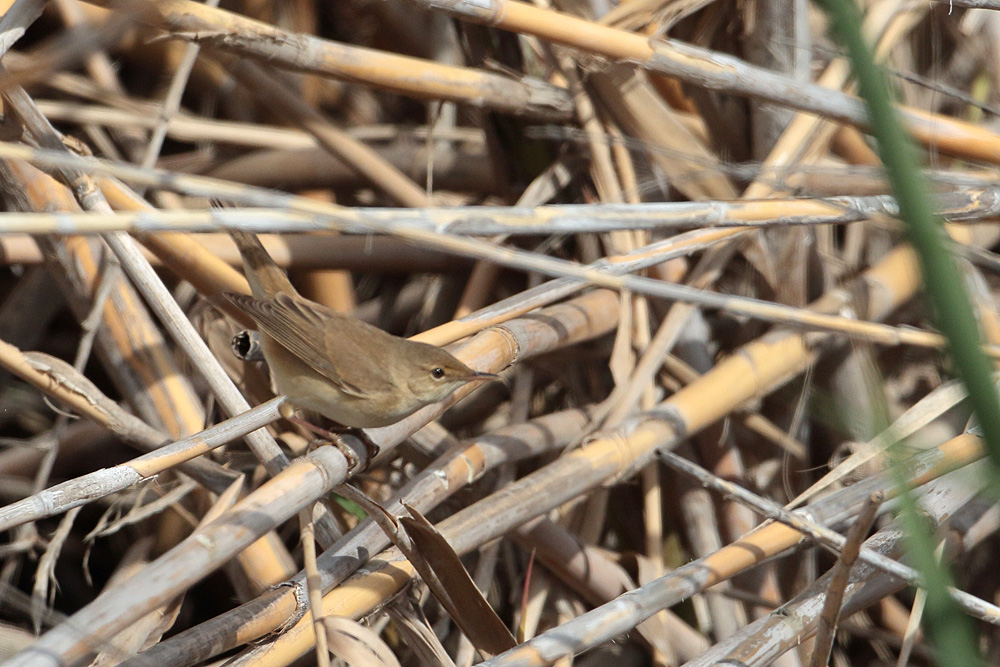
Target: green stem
{"x": 950, "y": 631}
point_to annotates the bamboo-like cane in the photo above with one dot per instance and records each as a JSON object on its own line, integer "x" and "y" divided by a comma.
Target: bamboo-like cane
{"x": 462, "y": 465}
{"x": 305, "y": 480}
{"x": 789, "y": 625}
{"x": 963, "y": 205}
{"x": 715, "y": 71}
{"x": 100, "y": 483}
{"x": 479, "y": 523}
{"x": 595, "y": 274}
{"x": 756, "y": 369}
{"x": 409, "y": 76}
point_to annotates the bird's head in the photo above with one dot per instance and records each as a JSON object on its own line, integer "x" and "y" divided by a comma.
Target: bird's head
{"x": 434, "y": 373}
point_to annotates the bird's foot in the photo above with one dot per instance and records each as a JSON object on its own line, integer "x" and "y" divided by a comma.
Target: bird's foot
{"x": 371, "y": 449}
{"x": 353, "y": 460}
{"x": 330, "y": 437}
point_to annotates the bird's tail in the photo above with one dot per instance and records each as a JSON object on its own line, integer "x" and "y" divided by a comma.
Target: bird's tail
{"x": 265, "y": 277}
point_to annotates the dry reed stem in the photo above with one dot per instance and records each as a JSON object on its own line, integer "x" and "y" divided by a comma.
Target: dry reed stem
{"x": 758, "y": 367}
{"x": 963, "y": 205}
{"x": 829, "y": 538}
{"x": 768, "y": 311}
{"x": 389, "y": 571}
{"x": 75, "y": 492}
{"x": 356, "y": 154}
{"x": 145, "y": 279}
{"x": 264, "y": 561}
{"x": 789, "y": 625}
{"x": 490, "y": 164}
{"x": 127, "y": 331}
{"x": 462, "y": 465}
{"x": 408, "y": 76}
{"x": 770, "y": 539}
{"x": 207, "y": 548}
{"x": 185, "y": 127}
{"x": 309, "y": 477}
{"x": 718, "y": 72}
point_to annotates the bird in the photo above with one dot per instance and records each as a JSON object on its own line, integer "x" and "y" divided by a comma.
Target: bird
{"x": 338, "y": 366}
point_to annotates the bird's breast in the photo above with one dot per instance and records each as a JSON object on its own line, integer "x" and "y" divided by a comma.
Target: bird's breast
{"x": 309, "y": 389}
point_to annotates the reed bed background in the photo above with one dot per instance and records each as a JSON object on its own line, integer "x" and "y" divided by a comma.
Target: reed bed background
{"x": 734, "y": 427}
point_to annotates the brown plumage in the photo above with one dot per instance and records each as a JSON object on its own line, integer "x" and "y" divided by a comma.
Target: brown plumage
{"x": 336, "y": 365}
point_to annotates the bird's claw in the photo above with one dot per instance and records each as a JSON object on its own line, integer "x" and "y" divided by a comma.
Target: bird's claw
{"x": 353, "y": 460}
{"x": 332, "y": 436}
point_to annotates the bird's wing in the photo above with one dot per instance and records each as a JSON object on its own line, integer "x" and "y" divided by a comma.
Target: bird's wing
{"x": 303, "y": 328}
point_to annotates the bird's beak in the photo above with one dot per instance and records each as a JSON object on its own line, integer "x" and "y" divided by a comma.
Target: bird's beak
{"x": 479, "y": 376}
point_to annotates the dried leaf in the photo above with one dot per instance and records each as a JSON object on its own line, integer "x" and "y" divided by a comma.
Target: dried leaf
{"x": 356, "y": 645}
{"x": 460, "y": 596}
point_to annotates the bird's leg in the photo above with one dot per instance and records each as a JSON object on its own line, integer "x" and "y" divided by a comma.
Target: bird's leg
{"x": 312, "y": 428}
{"x": 352, "y": 457}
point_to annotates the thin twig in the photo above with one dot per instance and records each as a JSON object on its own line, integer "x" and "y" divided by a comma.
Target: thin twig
{"x": 838, "y": 583}
{"x": 308, "y": 539}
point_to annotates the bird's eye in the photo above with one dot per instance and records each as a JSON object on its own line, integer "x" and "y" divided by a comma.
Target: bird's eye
{"x": 437, "y": 373}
